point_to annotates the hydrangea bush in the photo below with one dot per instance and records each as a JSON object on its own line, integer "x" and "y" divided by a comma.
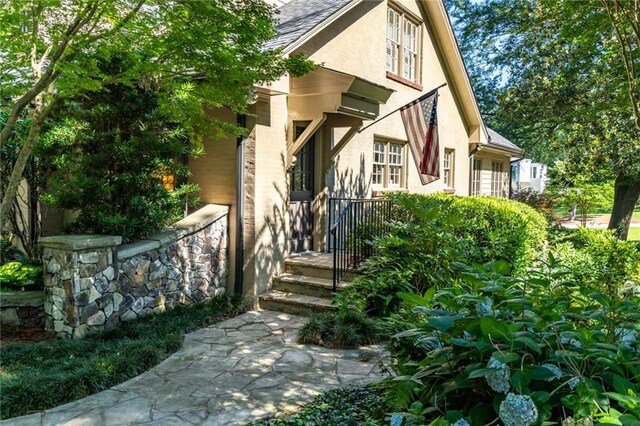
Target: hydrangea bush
{"x": 496, "y": 349}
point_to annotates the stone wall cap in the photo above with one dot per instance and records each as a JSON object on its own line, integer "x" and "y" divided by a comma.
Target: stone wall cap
{"x": 10, "y": 299}
{"x": 200, "y": 219}
{"x": 133, "y": 249}
{"x": 80, "y": 242}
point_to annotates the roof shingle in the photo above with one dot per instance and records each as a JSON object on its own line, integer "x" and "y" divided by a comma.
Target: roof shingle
{"x": 298, "y": 17}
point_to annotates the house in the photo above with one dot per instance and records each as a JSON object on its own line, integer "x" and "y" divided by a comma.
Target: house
{"x": 304, "y": 146}
{"x": 528, "y": 174}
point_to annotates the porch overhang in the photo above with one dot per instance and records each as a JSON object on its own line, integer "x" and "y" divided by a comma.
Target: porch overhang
{"x": 324, "y": 91}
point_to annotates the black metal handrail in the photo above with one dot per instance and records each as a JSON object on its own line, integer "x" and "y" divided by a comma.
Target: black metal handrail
{"x": 357, "y": 223}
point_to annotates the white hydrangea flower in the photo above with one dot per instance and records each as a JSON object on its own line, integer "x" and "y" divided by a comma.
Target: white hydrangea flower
{"x": 570, "y": 421}
{"x": 461, "y": 422}
{"x": 485, "y": 309}
{"x": 629, "y": 289}
{"x": 570, "y": 341}
{"x": 557, "y": 373}
{"x": 574, "y": 382}
{"x": 498, "y": 379}
{"x": 518, "y": 410}
{"x": 627, "y": 336}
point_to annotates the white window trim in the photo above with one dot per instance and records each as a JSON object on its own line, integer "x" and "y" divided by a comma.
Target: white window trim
{"x": 452, "y": 168}
{"x": 399, "y": 46}
{"x": 495, "y": 190}
{"x": 385, "y": 185}
{"x": 476, "y": 180}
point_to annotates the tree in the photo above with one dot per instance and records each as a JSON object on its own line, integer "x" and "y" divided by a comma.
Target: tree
{"x": 565, "y": 84}
{"x": 197, "y": 54}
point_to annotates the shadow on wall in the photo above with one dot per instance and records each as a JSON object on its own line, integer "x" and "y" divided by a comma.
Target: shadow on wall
{"x": 270, "y": 247}
{"x": 348, "y": 183}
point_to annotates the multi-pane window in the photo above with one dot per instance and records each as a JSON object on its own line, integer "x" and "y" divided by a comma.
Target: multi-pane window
{"x": 395, "y": 165}
{"x": 447, "y": 168}
{"x": 476, "y": 177}
{"x": 534, "y": 172}
{"x": 388, "y": 165}
{"x": 393, "y": 40}
{"x": 497, "y": 179}
{"x": 403, "y": 45}
{"x": 379, "y": 163}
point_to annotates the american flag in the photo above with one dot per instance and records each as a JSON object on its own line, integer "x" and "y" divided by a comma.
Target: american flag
{"x": 421, "y": 124}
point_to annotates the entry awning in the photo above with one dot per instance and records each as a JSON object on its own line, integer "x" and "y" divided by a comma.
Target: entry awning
{"x": 324, "y": 91}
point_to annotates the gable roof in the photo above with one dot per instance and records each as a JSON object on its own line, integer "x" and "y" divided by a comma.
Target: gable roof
{"x": 496, "y": 140}
{"x": 298, "y": 19}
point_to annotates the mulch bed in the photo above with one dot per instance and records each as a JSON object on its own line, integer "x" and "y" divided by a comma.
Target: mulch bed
{"x": 13, "y": 334}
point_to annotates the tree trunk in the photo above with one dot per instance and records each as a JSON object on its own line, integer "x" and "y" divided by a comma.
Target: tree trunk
{"x": 25, "y": 152}
{"x": 627, "y": 191}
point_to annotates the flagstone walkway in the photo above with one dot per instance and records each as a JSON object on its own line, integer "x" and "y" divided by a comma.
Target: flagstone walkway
{"x": 231, "y": 373}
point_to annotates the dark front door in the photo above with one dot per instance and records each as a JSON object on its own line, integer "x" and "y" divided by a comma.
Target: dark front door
{"x": 301, "y": 198}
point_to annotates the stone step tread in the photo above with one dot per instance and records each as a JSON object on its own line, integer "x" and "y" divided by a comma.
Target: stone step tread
{"x": 305, "y": 279}
{"x": 309, "y": 262}
{"x": 294, "y": 298}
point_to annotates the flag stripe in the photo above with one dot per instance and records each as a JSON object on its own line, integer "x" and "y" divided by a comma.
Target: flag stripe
{"x": 420, "y": 122}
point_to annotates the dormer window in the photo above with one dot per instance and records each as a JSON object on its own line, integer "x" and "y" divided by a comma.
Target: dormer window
{"x": 403, "y": 45}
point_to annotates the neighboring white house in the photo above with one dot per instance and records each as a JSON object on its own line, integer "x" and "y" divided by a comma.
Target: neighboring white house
{"x": 528, "y": 174}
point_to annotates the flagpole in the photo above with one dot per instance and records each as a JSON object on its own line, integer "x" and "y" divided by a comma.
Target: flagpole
{"x": 395, "y": 110}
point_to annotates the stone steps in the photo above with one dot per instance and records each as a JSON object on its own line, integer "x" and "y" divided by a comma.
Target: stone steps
{"x": 305, "y": 286}
{"x": 294, "y": 303}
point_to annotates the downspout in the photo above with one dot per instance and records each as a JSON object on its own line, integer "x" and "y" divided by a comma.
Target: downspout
{"x": 239, "y": 270}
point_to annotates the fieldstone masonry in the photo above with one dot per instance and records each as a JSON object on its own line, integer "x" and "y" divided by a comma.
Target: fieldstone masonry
{"x": 92, "y": 282}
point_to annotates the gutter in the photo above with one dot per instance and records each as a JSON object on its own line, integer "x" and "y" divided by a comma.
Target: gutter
{"x": 239, "y": 271}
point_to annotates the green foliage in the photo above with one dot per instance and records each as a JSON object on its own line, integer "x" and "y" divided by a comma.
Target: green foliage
{"x": 538, "y": 347}
{"x": 349, "y": 406}
{"x": 597, "y": 258}
{"x": 42, "y": 375}
{"x": 112, "y": 151}
{"x": 8, "y": 252}
{"x": 20, "y": 276}
{"x": 561, "y": 79}
{"x": 345, "y": 328}
{"x": 587, "y": 197}
{"x": 431, "y": 232}
{"x": 542, "y": 202}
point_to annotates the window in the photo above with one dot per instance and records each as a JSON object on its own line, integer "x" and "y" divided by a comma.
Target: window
{"x": 448, "y": 170}
{"x": 476, "y": 177}
{"x": 403, "y": 45}
{"x": 534, "y": 172}
{"x": 388, "y": 165}
{"x": 497, "y": 179}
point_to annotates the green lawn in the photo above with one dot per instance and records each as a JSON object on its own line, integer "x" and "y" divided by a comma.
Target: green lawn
{"x": 634, "y": 234}
{"x": 38, "y": 376}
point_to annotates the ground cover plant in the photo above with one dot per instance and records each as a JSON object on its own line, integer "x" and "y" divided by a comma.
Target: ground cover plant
{"x": 521, "y": 351}
{"x": 42, "y": 375}
{"x": 345, "y": 328}
{"x": 350, "y": 406}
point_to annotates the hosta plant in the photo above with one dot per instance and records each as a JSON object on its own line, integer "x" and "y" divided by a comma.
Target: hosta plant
{"x": 495, "y": 349}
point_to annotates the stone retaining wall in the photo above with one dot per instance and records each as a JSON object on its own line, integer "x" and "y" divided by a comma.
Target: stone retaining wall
{"x": 92, "y": 282}
{"x": 22, "y": 308}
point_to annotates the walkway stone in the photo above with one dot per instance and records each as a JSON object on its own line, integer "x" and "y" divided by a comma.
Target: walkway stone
{"x": 231, "y": 373}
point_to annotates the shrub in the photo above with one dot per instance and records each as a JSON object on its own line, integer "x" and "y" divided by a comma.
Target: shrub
{"x": 120, "y": 160}
{"x": 20, "y": 276}
{"x": 597, "y": 258}
{"x": 542, "y": 202}
{"x": 428, "y": 233}
{"x": 522, "y": 350}
{"x": 342, "y": 329}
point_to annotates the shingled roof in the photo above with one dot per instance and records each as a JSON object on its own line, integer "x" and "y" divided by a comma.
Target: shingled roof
{"x": 500, "y": 142}
{"x": 299, "y": 17}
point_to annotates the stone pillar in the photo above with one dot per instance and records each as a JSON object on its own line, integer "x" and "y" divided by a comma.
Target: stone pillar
{"x": 78, "y": 270}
